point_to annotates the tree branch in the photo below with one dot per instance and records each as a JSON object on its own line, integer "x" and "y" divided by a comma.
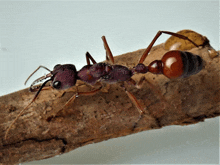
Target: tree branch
{"x": 107, "y": 114}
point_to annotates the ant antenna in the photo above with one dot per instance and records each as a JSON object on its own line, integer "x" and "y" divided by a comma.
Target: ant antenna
{"x": 36, "y": 71}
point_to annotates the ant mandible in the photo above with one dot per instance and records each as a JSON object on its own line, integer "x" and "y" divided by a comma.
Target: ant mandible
{"x": 174, "y": 64}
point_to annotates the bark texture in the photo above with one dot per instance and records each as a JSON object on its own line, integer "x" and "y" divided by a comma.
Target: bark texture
{"x": 109, "y": 113}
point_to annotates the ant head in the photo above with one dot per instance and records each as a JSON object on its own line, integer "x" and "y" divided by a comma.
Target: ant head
{"x": 64, "y": 76}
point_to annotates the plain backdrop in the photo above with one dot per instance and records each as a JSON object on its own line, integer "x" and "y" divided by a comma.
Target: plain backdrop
{"x": 34, "y": 33}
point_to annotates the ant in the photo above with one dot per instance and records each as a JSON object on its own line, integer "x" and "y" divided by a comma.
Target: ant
{"x": 174, "y": 64}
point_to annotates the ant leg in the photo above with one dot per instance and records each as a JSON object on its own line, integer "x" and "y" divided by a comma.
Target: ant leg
{"x": 35, "y": 72}
{"x": 137, "y": 85}
{"x": 73, "y": 98}
{"x": 158, "y": 92}
{"x": 131, "y": 82}
{"x": 145, "y": 54}
{"x": 89, "y": 57}
{"x": 82, "y": 93}
{"x": 131, "y": 96}
{"x": 22, "y": 111}
{"x": 135, "y": 102}
{"x": 141, "y": 82}
{"x": 138, "y": 106}
{"x": 9, "y": 128}
{"x": 108, "y": 50}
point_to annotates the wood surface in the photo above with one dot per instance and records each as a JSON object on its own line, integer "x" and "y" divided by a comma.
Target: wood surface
{"x": 108, "y": 113}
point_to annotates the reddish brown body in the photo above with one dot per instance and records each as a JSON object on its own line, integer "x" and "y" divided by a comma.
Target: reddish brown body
{"x": 174, "y": 64}
{"x": 181, "y": 64}
{"x": 104, "y": 73}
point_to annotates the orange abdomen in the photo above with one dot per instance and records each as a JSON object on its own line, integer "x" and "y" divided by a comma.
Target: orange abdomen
{"x": 176, "y": 64}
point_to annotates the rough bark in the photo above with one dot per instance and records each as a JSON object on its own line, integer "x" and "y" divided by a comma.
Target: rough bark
{"x": 107, "y": 114}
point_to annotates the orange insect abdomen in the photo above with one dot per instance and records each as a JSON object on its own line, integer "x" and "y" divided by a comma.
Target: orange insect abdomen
{"x": 176, "y": 64}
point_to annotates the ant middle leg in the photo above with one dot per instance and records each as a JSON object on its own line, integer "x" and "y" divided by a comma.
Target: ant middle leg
{"x": 82, "y": 93}
{"x": 73, "y": 97}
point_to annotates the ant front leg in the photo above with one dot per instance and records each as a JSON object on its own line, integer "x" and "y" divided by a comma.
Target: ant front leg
{"x": 146, "y": 52}
{"x": 22, "y": 111}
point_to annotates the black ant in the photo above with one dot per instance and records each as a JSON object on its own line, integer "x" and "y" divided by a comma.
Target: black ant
{"x": 174, "y": 64}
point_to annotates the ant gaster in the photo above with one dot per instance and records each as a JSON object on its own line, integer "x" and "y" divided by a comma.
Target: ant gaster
{"x": 174, "y": 64}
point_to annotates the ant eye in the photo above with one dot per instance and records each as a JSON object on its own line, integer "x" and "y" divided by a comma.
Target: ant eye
{"x": 57, "y": 84}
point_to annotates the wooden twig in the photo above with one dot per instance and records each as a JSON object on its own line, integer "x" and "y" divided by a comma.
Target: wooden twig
{"x": 107, "y": 114}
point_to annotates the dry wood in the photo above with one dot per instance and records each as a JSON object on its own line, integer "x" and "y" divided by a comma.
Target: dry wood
{"x": 107, "y": 114}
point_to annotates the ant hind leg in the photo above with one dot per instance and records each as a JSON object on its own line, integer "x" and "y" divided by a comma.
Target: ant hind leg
{"x": 135, "y": 102}
{"x": 146, "y": 52}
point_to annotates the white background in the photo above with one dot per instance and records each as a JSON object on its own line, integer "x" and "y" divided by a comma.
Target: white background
{"x": 34, "y": 33}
